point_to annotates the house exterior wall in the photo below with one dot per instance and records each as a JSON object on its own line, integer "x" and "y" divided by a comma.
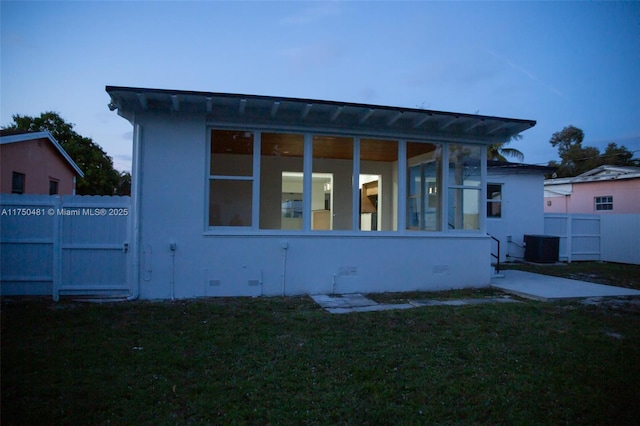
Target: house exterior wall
{"x": 170, "y": 174}
{"x": 522, "y": 210}
{"x": 40, "y": 162}
{"x": 625, "y": 193}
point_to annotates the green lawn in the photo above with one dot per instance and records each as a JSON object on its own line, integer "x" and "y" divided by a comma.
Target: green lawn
{"x": 285, "y": 361}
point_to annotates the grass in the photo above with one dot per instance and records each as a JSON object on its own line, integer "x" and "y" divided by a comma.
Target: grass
{"x": 286, "y": 361}
{"x": 618, "y": 274}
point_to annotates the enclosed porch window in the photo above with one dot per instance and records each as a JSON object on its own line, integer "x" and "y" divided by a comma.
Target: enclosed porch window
{"x": 269, "y": 180}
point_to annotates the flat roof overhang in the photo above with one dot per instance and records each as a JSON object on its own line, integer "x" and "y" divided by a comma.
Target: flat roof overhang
{"x": 356, "y": 118}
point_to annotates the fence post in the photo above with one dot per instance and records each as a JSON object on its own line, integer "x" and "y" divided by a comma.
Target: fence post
{"x": 569, "y": 237}
{"x": 57, "y": 248}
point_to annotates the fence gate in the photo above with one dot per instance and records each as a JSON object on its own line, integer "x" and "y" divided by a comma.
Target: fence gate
{"x": 69, "y": 245}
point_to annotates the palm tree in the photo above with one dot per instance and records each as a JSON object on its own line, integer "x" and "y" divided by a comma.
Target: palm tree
{"x": 498, "y": 151}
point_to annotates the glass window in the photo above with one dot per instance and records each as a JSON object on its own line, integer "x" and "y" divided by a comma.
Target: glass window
{"x": 231, "y": 178}
{"x": 604, "y": 203}
{"x": 494, "y": 200}
{"x": 281, "y": 181}
{"x": 53, "y": 187}
{"x": 332, "y": 183}
{"x": 464, "y": 165}
{"x": 17, "y": 183}
{"x": 463, "y": 210}
{"x": 424, "y": 170}
{"x": 378, "y": 185}
{"x": 231, "y": 153}
{"x": 230, "y": 202}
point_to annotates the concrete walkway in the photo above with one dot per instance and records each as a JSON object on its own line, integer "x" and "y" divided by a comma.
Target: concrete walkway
{"x": 356, "y": 302}
{"x": 548, "y": 288}
{"x": 520, "y": 283}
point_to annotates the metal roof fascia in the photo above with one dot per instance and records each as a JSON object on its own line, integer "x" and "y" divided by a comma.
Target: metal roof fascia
{"x": 304, "y": 101}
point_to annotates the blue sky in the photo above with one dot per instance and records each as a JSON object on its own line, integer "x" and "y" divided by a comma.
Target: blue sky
{"x": 559, "y": 63}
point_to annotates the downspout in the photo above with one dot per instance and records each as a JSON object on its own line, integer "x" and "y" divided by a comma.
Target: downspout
{"x": 136, "y": 192}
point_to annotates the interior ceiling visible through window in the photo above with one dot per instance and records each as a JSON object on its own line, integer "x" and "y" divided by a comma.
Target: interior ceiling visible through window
{"x": 291, "y": 145}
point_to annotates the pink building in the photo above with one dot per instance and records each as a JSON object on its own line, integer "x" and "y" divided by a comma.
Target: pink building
{"x": 605, "y": 189}
{"x": 35, "y": 163}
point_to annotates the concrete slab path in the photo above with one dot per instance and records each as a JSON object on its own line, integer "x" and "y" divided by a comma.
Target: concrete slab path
{"x": 548, "y": 288}
{"x": 356, "y": 302}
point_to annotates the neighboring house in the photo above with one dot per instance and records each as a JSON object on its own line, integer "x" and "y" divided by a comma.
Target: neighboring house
{"x": 35, "y": 163}
{"x": 514, "y": 205}
{"x": 244, "y": 195}
{"x": 605, "y": 189}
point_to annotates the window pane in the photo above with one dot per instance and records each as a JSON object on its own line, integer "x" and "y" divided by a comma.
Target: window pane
{"x": 424, "y": 168}
{"x": 332, "y": 183}
{"x": 494, "y": 200}
{"x": 17, "y": 183}
{"x": 230, "y": 202}
{"x": 464, "y": 165}
{"x": 53, "y": 187}
{"x": 281, "y": 192}
{"x": 378, "y": 185}
{"x": 604, "y": 203}
{"x": 231, "y": 153}
{"x": 494, "y": 209}
{"x": 463, "y": 211}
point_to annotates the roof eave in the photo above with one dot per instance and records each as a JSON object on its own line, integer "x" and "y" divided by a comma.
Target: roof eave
{"x": 271, "y": 110}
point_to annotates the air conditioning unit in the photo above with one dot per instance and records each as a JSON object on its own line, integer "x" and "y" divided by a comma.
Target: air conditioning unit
{"x": 541, "y": 248}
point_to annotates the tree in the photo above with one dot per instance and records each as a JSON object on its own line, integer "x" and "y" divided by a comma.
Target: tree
{"x": 498, "y": 151}
{"x": 100, "y": 178}
{"x": 577, "y": 159}
{"x": 124, "y": 186}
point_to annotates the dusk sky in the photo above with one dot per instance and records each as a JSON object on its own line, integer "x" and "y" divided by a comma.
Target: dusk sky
{"x": 559, "y": 63}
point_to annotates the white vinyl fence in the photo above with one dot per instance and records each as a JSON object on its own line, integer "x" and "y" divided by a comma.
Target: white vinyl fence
{"x": 605, "y": 237}
{"x": 63, "y": 245}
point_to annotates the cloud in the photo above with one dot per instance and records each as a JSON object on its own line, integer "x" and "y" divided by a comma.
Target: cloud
{"x": 313, "y": 56}
{"x": 526, "y": 72}
{"x": 315, "y": 13}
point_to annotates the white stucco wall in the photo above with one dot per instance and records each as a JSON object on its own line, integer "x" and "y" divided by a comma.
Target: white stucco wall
{"x": 173, "y": 209}
{"x": 522, "y": 210}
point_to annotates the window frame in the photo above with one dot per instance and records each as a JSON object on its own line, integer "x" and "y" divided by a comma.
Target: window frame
{"x": 400, "y": 207}
{"x": 603, "y": 201}
{"x": 481, "y": 189}
{"x": 54, "y": 186}
{"x": 18, "y": 179}
{"x": 491, "y": 201}
{"x": 248, "y": 178}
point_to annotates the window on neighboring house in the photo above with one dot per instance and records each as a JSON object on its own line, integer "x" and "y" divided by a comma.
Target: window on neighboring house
{"x": 53, "y": 187}
{"x": 494, "y": 200}
{"x": 17, "y": 183}
{"x": 231, "y": 178}
{"x": 464, "y": 187}
{"x": 604, "y": 203}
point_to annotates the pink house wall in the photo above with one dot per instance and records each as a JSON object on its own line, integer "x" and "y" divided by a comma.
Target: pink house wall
{"x": 625, "y": 193}
{"x": 40, "y": 162}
